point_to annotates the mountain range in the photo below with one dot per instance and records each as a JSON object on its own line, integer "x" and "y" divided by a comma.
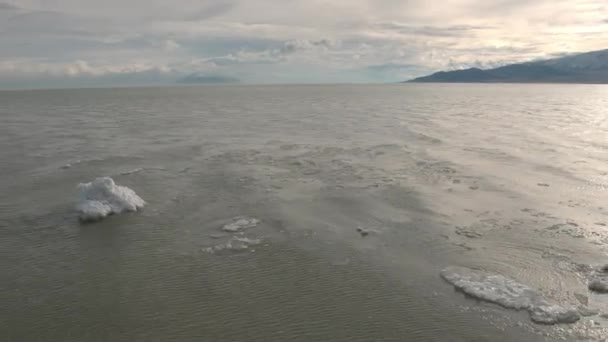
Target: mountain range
{"x": 198, "y": 78}
{"x": 589, "y": 67}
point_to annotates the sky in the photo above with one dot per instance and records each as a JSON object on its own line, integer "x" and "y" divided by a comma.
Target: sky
{"x": 65, "y": 43}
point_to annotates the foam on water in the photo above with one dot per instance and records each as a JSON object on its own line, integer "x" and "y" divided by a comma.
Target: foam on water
{"x": 508, "y": 293}
{"x": 240, "y": 223}
{"x": 102, "y": 197}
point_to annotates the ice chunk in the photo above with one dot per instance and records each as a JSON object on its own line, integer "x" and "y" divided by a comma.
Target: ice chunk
{"x": 545, "y": 313}
{"x": 102, "y": 197}
{"x": 508, "y": 293}
{"x": 240, "y": 223}
{"x": 248, "y": 241}
{"x": 492, "y": 288}
{"x": 93, "y": 210}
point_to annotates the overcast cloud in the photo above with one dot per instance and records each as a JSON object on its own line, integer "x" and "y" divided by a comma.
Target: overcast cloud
{"x": 112, "y": 42}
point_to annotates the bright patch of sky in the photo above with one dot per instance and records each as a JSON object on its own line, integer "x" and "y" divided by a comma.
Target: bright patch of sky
{"x": 86, "y": 42}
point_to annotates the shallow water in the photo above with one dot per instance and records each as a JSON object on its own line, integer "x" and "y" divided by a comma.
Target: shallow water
{"x": 509, "y": 179}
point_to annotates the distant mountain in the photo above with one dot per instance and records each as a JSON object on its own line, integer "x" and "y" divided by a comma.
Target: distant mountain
{"x": 589, "y": 67}
{"x": 207, "y": 79}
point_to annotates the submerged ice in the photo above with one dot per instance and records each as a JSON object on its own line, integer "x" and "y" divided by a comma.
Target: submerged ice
{"x": 102, "y": 197}
{"x": 235, "y": 244}
{"x": 509, "y": 294}
{"x": 240, "y": 223}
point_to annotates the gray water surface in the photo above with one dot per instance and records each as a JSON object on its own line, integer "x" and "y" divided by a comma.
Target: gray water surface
{"x": 510, "y": 179}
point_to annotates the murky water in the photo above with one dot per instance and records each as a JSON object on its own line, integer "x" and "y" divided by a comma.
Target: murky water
{"x": 363, "y": 193}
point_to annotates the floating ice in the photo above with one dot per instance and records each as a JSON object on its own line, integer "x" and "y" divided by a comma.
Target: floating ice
{"x": 102, "y": 197}
{"x": 235, "y": 244}
{"x": 248, "y": 241}
{"x": 509, "y": 294}
{"x": 545, "y": 313}
{"x": 240, "y": 223}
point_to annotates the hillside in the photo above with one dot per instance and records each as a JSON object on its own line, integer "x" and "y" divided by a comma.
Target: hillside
{"x": 589, "y": 67}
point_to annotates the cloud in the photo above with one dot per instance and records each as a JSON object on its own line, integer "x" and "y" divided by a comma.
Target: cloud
{"x": 212, "y": 10}
{"x": 392, "y": 72}
{"x": 272, "y": 55}
{"x": 390, "y": 67}
{"x": 4, "y": 6}
{"x": 276, "y": 41}
{"x": 432, "y": 31}
{"x": 170, "y": 45}
{"x": 75, "y": 68}
{"x": 246, "y": 57}
{"x": 292, "y": 46}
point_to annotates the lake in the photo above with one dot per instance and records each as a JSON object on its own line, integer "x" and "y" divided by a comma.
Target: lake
{"x": 355, "y": 197}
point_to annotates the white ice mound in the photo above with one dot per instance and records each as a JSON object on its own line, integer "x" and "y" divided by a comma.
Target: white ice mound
{"x": 102, "y": 197}
{"x": 509, "y": 294}
{"x": 240, "y": 223}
